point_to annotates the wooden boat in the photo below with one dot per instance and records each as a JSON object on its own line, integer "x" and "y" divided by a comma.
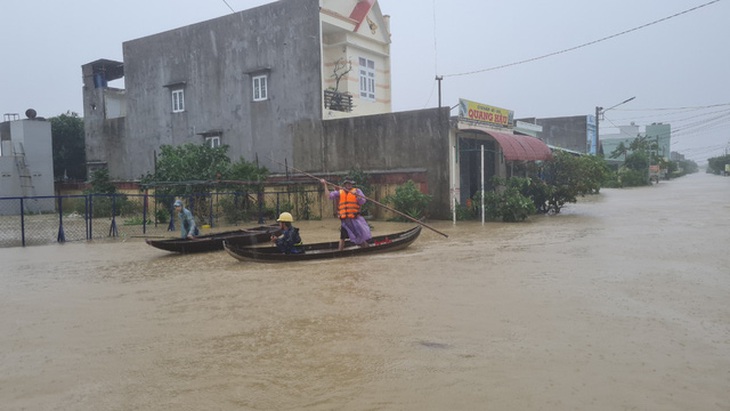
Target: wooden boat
{"x": 379, "y": 244}
{"x": 214, "y": 242}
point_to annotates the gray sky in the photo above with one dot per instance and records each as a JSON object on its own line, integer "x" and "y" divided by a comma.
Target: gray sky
{"x": 678, "y": 69}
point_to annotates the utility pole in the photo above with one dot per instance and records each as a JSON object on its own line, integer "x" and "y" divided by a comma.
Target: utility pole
{"x": 595, "y": 143}
{"x": 599, "y": 113}
{"x": 439, "y": 78}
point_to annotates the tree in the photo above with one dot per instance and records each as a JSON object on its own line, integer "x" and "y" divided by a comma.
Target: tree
{"x": 568, "y": 177}
{"x": 187, "y": 168}
{"x": 638, "y": 160}
{"x": 69, "y": 152}
{"x": 339, "y": 100}
{"x": 716, "y": 165}
{"x": 192, "y": 168}
{"x": 340, "y": 70}
{"x": 620, "y": 150}
{"x": 100, "y": 183}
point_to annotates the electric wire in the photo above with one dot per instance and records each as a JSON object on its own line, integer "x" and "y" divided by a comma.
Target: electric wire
{"x": 435, "y": 57}
{"x": 590, "y": 43}
{"x": 229, "y": 6}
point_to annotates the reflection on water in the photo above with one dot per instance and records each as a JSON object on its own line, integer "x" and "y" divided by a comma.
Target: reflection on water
{"x": 625, "y": 292}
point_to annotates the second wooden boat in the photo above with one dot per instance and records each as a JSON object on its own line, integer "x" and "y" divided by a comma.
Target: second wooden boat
{"x": 214, "y": 242}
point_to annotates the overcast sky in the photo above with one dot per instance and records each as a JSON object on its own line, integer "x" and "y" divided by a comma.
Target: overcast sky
{"x": 677, "y": 68}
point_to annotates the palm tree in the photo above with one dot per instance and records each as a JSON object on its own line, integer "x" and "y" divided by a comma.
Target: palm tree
{"x": 620, "y": 150}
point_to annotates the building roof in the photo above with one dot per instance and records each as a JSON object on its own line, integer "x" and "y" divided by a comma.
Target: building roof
{"x": 113, "y": 69}
{"x": 516, "y": 147}
{"x": 523, "y": 148}
{"x": 361, "y": 10}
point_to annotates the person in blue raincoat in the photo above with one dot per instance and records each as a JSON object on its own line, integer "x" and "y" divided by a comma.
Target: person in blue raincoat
{"x": 188, "y": 229}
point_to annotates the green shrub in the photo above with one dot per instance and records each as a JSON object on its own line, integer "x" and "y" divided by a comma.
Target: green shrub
{"x": 103, "y": 204}
{"x": 507, "y": 202}
{"x": 237, "y": 209}
{"x": 634, "y": 178}
{"x": 409, "y": 200}
{"x": 136, "y": 220}
{"x": 469, "y": 211}
{"x": 162, "y": 216}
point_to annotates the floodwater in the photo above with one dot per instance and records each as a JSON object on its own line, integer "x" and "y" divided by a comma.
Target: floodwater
{"x": 621, "y": 302}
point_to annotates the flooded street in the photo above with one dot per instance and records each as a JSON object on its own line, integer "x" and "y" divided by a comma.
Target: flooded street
{"x": 621, "y": 302}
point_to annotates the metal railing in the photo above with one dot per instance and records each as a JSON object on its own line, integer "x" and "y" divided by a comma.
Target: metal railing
{"x": 47, "y": 219}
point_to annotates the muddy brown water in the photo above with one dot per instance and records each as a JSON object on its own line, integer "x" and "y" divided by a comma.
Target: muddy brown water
{"x": 621, "y": 302}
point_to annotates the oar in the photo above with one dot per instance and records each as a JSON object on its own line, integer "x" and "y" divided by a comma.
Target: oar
{"x": 367, "y": 198}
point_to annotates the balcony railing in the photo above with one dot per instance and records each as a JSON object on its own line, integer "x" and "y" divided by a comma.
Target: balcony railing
{"x": 336, "y": 101}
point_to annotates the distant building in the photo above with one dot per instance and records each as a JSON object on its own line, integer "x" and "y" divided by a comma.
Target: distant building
{"x": 658, "y": 133}
{"x": 574, "y": 134}
{"x": 662, "y": 135}
{"x": 26, "y": 164}
{"x": 675, "y": 156}
{"x": 609, "y": 142}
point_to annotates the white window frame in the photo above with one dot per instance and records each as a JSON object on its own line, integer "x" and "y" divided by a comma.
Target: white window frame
{"x": 213, "y": 141}
{"x": 178, "y": 100}
{"x": 367, "y": 78}
{"x": 260, "y": 86}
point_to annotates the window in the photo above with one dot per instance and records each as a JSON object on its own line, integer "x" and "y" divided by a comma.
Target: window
{"x": 367, "y": 79}
{"x": 178, "y": 101}
{"x": 260, "y": 88}
{"x": 213, "y": 142}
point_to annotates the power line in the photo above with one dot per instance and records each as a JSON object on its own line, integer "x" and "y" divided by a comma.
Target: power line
{"x": 678, "y": 116}
{"x": 233, "y": 11}
{"x": 584, "y": 44}
{"x": 674, "y": 108}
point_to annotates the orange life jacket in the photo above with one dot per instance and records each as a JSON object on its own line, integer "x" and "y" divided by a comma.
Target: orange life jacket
{"x": 348, "y": 206}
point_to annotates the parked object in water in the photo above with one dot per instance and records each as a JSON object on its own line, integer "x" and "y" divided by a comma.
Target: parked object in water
{"x": 214, "y": 242}
{"x": 379, "y": 244}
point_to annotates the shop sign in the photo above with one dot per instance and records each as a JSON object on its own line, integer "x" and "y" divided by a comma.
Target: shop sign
{"x": 482, "y": 113}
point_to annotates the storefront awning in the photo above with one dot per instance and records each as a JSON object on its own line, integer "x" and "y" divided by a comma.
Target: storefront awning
{"x": 516, "y": 147}
{"x": 522, "y": 148}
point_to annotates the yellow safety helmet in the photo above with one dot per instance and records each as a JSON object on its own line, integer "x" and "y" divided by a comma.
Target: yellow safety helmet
{"x": 285, "y": 218}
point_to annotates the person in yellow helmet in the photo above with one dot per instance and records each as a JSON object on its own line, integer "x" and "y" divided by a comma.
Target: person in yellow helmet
{"x": 289, "y": 242}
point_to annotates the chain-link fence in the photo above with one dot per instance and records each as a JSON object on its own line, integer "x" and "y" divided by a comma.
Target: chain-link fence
{"x": 43, "y": 220}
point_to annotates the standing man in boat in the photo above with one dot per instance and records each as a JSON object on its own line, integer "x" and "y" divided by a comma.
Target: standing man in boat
{"x": 289, "y": 242}
{"x": 352, "y": 224}
{"x": 188, "y": 229}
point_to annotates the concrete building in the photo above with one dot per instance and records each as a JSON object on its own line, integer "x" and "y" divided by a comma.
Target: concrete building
{"x": 574, "y": 133}
{"x": 659, "y": 133}
{"x": 246, "y": 80}
{"x": 610, "y": 141}
{"x": 662, "y": 135}
{"x": 485, "y": 145}
{"x": 26, "y": 164}
{"x": 301, "y": 82}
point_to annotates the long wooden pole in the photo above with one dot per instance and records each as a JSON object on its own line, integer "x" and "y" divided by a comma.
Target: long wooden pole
{"x": 367, "y": 198}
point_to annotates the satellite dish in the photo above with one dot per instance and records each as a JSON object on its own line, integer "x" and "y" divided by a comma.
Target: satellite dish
{"x": 30, "y": 113}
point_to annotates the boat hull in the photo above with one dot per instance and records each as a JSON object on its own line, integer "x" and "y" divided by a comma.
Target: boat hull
{"x": 214, "y": 242}
{"x": 317, "y": 251}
